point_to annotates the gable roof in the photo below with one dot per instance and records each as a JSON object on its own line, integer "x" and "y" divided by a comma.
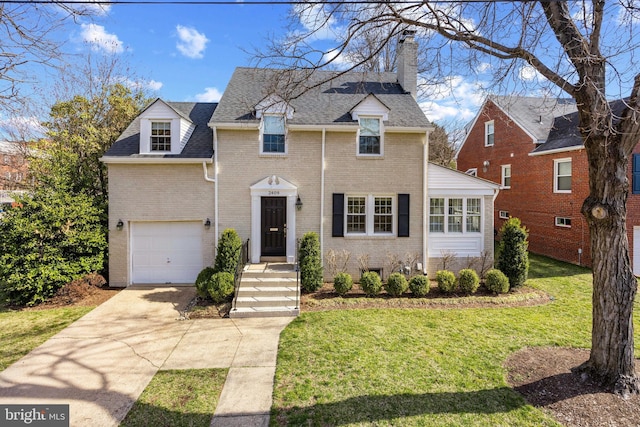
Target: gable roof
{"x": 442, "y": 181}
{"x": 328, "y": 104}
{"x": 199, "y": 145}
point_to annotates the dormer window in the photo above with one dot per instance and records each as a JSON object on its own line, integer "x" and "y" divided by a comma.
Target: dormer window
{"x": 273, "y": 134}
{"x": 370, "y": 136}
{"x": 161, "y": 136}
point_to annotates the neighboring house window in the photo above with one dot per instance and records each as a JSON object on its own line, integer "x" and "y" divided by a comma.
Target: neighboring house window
{"x": 472, "y": 172}
{"x": 370, "y": 137}
{"x": 160, "y": 136}
{"x": 460, "y": 215}
{"x": 506, "y": 176}
{"x": 503, "y": 214}
{"x": 563, "y": 222}
{"x": 635, "y": 178}
{"x": 488, "y": 134}
{"x": 562, "y": 176}
{"x": 370, "y": 214}
{"x": 273, "y": 134}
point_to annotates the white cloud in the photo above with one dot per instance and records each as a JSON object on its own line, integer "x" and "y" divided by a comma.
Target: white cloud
{"x": 316, "y": 20}
{"x": 528, "y": 74}
{"x": 99, "y": 39}
{"x": 210, "y": 94}
{"x": 447, "y": 112}
{"x": 15, "y": 128}
{"x": 191, "y": 43}
{"x": 142, "y": 84}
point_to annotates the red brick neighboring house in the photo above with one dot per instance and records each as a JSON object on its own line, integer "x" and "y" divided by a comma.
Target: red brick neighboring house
{"x": 532, "y": 147}
{"x": 13, "y": 170}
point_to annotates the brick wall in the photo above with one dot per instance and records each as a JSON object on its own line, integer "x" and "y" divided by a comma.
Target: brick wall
{"x": 531, "y": 196}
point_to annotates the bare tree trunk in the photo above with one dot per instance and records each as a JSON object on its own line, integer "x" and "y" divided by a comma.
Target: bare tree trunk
{"x": 612, "y": 359}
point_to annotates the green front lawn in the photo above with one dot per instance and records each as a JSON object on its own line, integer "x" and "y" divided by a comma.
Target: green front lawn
{"x": 426, "y": 367}
{"x": 22, "y": 331}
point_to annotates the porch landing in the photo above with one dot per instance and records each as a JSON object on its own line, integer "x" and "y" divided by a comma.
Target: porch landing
{"x": 267, "y": 289}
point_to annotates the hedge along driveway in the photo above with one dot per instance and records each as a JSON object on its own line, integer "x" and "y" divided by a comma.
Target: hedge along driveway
{"x": 426, "y": 367}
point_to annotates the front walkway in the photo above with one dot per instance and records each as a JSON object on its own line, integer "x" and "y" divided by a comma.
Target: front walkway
{"x": 100, "y": 364}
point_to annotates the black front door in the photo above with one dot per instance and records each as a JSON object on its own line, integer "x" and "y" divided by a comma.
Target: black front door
{"x": 274, "y": 228}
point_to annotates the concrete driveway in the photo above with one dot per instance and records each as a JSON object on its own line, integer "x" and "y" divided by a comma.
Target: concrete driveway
{"x": 100, "y": 364}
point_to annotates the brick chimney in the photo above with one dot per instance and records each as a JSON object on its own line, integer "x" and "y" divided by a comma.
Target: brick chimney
{"x": 407, "y": 58}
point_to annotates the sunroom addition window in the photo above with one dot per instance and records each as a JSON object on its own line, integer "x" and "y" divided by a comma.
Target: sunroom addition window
{"x": 273, "y": 134}
{"x": 370, "y": 137}
{"x": 562, "y": 176}
{"x": 461, "y": 215}
{"x": 370, "y": 215}
{"x": 488, "y": 133}
{"x": 160, "y": 136}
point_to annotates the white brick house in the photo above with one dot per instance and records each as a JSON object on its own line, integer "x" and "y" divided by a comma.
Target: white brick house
{"x": 347, "y": 160}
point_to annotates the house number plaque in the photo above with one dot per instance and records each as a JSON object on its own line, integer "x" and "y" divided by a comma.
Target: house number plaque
{"x": 274, "y": 193}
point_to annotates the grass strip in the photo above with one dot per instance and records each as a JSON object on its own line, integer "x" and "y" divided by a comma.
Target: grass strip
{"x": 178, "y": 398}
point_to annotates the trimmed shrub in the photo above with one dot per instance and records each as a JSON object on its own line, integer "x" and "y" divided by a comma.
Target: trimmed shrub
{"x": 342, "y": 283}
{"x": 201, "y": 281}
{"x": 220, "y": 286}
{"x": 446, "y": 281}
{"x": 370, "y": 283}
{"x": 419, "y": 285}
{"x": 310, "y": 264}
{"x": 229, "y": 247}
{"x": 396, "y": 284}
{"x": 468, "y": 280}
{"x": 513, "y": 258}
{"x": 496, "y": 281}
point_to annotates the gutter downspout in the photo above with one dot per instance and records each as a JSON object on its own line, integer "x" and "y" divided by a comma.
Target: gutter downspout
{"x": 215, "y": 177}
{"x": 324, "y": 134}
{"x": 425, "y": 206}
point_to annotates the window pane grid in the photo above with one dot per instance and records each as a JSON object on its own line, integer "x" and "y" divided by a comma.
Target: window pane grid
{"x": 356, "y": 215}
{"x": 563, "y": 176}
{"x": 383, "y": 215}
{"x": 459, "y": 215}
{"x": 473, "y": 215}
{"x": 436, "y": 215}
{"x": 160, "y": 136}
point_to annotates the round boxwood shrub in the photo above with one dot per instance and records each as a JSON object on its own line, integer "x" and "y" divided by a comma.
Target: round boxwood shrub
{"x": 370, "y": 283}
{"x": 342, "y": 283}
{"x": 396, "y": 284}
{"x": 468, "y": 280}
{"x": 220, "y": 286}
{"x": 496, "y": 281}
{"x": 419, "y": 285}
{"x": 446, "y": 281}
{"x": 201, "y": 281}
{"x": 310, "y": 264}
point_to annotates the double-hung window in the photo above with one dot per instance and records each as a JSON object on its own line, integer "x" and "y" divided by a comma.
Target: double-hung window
{"x": 455, "y": 215}
{"x": 161, "y": 136}
{"x": 370, "y": 136}
{"x": 370, "y": 215}
{"x": 506, "y": 176}
{"x": 562, "y": 176}
{"x": 273, "y": 134}
{"x": 488, "y": 134}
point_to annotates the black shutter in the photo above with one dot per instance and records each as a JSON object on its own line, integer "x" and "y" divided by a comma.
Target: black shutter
{"x": 636, "y": 174}
{"x": 337, "y": 229}
{"x": 403, "y": 215}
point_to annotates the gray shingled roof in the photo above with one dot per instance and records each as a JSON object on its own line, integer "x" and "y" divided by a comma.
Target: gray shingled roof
{"x": 328, "y": 104}
{"x": 535, "y": 115}
{"x": 199, "y": 145}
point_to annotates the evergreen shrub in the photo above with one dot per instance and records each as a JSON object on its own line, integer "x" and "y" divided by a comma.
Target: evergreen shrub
{"x": 496, "y": 281}
{"x": 228, "y": 252}
{"x": 342, "y": 283}
{"x": 446, "y": 281}
{"x": 513, "y": 258}
{"x": 201, "y": 281}
{"x": 220, "y": 286}
{"x": 396, "y": 284}
{"x": 419, "y": 285}
{"x": 370, "y": 283}
{"x": 468, "y": 280}
{"x": 310, "y": 265}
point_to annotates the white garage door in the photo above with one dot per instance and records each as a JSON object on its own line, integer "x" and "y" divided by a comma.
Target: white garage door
{"x": 636, "y": 251}
{"x": 166, "y": 252}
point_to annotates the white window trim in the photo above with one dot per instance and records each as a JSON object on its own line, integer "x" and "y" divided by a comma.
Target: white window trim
{"x": 172, "y": 139}
{"x": 261, "y": 137}
{"x": 369, "y": 215}
{"x": 556, "y": 176}
{"x": 503, "y": 176}
{"x": 145, "y": 136}
{"x": 503, "y": 214}
{"x": 472, "y": 172}
{"x": 486, "y": 133}
{"x": 560, "y": 221}
{"x": 464, "y": 216}
{"x": 365, "y": 155}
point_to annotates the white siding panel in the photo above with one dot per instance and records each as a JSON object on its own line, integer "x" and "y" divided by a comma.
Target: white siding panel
{"x": 462, "y": 246}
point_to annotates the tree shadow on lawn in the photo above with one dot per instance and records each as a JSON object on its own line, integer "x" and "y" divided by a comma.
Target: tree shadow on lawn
{"x": 372, "y": 409}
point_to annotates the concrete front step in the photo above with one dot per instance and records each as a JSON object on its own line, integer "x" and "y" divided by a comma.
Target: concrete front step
{"x": 266, "y": 301}
{"x": 268, "y": 282}
{"x": 239, "y": 312}
{"x": 289, "y": 274}
{"x": 267, "y": 291}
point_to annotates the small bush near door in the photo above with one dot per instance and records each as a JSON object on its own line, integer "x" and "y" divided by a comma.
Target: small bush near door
{"x": 310, "y": 265}
{"x": 220, "y": 287}
{"x": 201, "y": 281}
{"x": 229, "y": 247}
